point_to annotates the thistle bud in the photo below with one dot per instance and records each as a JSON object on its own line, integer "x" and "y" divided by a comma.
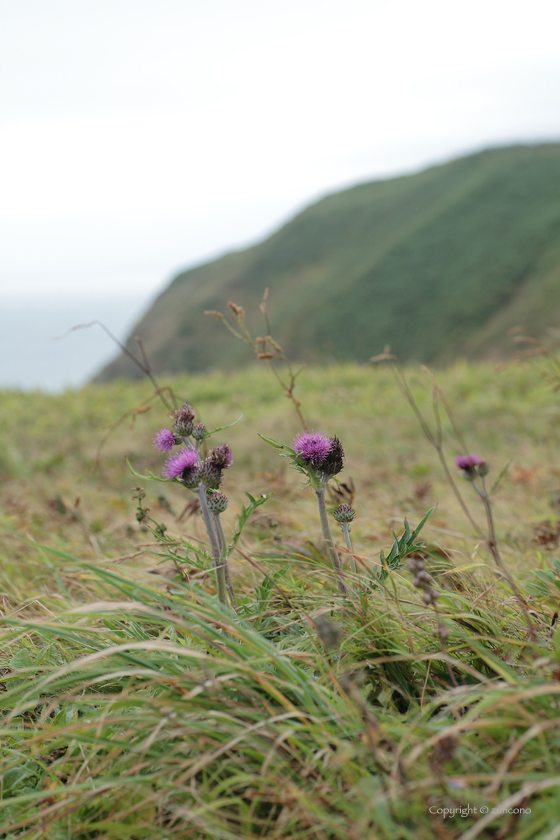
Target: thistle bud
{"x": 183, "y": 428}
{"x": 344, "y": 513}
{"x": 210, "y": 474}
{"x": 199, "y": 431}
{"x": 217, "y": 502}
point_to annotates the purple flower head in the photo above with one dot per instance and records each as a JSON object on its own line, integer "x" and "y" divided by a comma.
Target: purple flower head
{"x": 467, "y": 462}
{"x": 175, "y": 467}
{"x": 164, "y": 440}
{"x": 221, "y": 456}
{"x": 472, "y": 465}
{"x": 312, "y": 446}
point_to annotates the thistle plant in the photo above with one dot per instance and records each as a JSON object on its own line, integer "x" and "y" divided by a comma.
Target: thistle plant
{"x": 204, "y": 477}
{"x": 319, "y": 458}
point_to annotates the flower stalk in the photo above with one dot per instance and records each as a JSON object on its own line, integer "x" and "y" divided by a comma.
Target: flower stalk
{"x": 344, "y": 515}
{"x": 219, "y": 564}
{"x": 329, "y": 544}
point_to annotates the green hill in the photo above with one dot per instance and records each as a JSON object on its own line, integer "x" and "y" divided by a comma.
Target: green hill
{"x": 438, "y": 264}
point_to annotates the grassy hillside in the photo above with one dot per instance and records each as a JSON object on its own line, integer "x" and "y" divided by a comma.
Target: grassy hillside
{"x": 134, "y": 705}
{"x": 439, "y": 264}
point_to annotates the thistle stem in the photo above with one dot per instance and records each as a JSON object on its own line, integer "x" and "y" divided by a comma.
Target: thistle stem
{"x": 493, "y": 546}
{"x": 329, "y": 544}
{"x": 219, "y": 567}
{"x": 222, "y": 546}
{"x": 346, "y": 532}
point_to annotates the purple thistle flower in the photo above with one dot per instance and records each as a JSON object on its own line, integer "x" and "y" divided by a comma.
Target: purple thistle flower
{"x": 164, "y": 440}
{"x": 312, "y": 446}
{"x": 472, "y": 465}
{"x": 467, "y": 462}
{"x": 175, "y": 467}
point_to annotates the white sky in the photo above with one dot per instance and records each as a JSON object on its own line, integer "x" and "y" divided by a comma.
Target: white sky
{"x": 140, "y": 136}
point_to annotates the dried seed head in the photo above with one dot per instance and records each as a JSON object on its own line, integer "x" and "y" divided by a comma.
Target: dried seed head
{"x": 334, "y": 462}
{"x": 221, "y": 456}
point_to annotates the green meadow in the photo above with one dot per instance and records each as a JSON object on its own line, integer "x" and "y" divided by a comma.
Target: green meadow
{"x": 136, "y": 705}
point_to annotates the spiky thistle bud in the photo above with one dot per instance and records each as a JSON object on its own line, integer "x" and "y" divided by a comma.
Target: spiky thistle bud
{"x": 217, "y": 502}
{"x": 210, "y": 474}
{"x": 184, "y": 417}
{"x": 183, "y": 428}
{"x": 199, "y": 431}
{"x": 344, "y": 513}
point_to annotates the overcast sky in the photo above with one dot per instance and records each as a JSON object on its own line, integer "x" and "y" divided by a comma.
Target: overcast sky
{"x": 139, "y": 136}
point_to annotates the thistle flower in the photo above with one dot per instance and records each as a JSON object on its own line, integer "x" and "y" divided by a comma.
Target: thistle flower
{"x": 217, "y": 502}
{"x": 164, "y": 440}
{"x": 472, "y": 465}
{"x": 313, "y": 447}
{"x": 221, "y": 456}
{"x": 344, "y": 513}
{"x": 183, "y": 462}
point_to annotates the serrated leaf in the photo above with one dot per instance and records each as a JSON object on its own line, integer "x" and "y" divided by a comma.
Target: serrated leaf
{"x": 244, "y": 516}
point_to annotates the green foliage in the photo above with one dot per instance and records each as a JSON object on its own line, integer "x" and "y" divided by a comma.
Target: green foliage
{"x": 243, "y": 518}
{"x": 402, "y": 546}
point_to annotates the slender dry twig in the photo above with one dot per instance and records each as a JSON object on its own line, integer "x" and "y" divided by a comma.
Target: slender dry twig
{"x": 165, "y": 393}
{"x": 436, "y": 440}
{"x": 267, "y": 349}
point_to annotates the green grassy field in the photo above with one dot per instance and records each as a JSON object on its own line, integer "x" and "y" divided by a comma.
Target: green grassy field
{"x": 135, "y": 705}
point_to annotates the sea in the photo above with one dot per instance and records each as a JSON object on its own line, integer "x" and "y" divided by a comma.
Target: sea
{"x": 44, "y": 347}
